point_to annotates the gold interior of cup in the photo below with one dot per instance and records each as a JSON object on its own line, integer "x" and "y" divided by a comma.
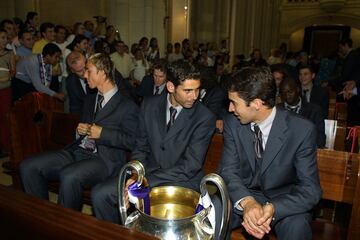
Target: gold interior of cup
{"x": 170, "y": 202}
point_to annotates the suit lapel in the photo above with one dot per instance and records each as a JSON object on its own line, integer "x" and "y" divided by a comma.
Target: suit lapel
{"x": 161, "y": 114}
{"x": 244, "y": 134}
{"x": 275, "y": 140}
{"x": 108, "y": 108}
{"x": 181, "y": 121}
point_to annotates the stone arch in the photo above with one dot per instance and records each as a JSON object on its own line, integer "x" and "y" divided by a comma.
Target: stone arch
{"x": 323, "y": 19}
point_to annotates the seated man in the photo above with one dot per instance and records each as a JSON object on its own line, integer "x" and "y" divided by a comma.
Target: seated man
{"x": 268, "y": 165}
{"x": 76, "y": 86}
{"x": 173, "y": 137}
{"x": 107, "y": 131}
{"x": 34, "y": 73}
{"x": 290, "y": 95}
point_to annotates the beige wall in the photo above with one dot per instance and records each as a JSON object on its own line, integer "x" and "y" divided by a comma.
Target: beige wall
{"x": 296, "y": 40}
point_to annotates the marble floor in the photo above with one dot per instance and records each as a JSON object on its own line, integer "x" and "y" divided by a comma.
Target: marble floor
{"x": 7, "y": 181}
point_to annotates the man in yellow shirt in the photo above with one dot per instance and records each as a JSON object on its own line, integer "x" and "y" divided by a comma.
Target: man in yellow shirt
{"x": 47, "y": 31}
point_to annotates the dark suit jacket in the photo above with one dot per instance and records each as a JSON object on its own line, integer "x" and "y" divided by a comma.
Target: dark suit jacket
{"x": 119, "y": 122}
{"x": 312, "y": 112}
{"x": 75, "y": 93}
{"x": 320, "y": 97}
{"x": 175, "y": 157}
{"x": 289, "y": 176}
{"x": 146, "y": 87}
{"x": 216, "y": 101}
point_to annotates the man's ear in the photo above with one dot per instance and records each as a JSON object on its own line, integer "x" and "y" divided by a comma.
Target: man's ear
{"x": 257, "y": 103}
{"x": 170, "y": 87}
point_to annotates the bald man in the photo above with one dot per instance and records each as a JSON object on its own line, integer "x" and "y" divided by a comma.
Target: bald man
{"x": 76, "y": 86}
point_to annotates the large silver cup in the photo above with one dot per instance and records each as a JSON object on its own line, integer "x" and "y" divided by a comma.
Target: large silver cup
{"x": 173, "y": 209}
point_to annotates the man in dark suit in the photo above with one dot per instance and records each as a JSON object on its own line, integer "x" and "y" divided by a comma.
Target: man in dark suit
{"x": 173, "y": 137}
{"x": 291, "y": 100}
{"x": 76, "y": 85}
{"x": 268, "y": 165}
{"x": 153, "y": 84}
{"x": 349, "y": 81}
{"x": 312, "y": 93}
{"x": 106, "y": 132}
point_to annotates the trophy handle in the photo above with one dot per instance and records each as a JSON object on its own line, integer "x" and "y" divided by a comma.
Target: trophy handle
{"x": 124, "y": 172}
{"x": 225, "y": 201}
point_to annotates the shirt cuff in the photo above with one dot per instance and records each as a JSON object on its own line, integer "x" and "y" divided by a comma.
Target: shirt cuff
{"x": 354, "y": 91}
{"x": 237, "y": 204}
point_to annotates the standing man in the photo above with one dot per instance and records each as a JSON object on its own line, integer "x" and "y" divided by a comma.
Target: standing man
{"x": 268, "y": 165}
{"x": 106, "y": 132}
{"x": 173, "y": 137}
{"x": 312, "y": 93}
{"x": 350, "y": 80}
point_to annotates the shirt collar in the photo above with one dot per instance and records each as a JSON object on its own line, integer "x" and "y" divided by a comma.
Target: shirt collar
{"x": 168, "y": 105}
{"x": 109, "y": 94}
{"x": 265, "y": 125}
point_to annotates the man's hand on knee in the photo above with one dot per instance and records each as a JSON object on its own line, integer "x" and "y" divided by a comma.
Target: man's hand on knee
{"x": 253, "y": 211}
{"x": 265, "y": 220}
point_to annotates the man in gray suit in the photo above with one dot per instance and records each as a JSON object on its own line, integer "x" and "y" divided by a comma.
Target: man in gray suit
{"x": 173, "y": 137}
{"x": 106, "y": 132}
{"x": 268, "y": 160}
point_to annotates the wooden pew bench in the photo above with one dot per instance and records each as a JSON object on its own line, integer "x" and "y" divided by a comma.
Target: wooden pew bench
{"x": 25, "y": 217}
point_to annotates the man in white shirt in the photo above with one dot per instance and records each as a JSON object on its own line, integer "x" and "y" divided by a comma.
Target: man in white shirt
{"x": 122, "y": 61}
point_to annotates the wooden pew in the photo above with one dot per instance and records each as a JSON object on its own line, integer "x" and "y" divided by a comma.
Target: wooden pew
{"x": 25, "y": 217}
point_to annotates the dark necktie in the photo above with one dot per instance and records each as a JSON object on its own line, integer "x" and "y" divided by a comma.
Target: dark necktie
{"x": 157, "y": 90}
{"x": 172, "y": 117}
{"x": 305, "y": 91}
{"x": 100, "y": 99}
{"x": 258, "y": 142}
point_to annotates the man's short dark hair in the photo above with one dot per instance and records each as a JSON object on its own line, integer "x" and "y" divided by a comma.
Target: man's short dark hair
{"x": 181, "y": 70}
{"x": 30, "y": 16}
{"x": 44, "y": 26}
{"x": 307, "y": 67}
{"x": 58, "y": 27}
{"x": 160, "y": 64}
{"x": 346, "y": 41}
{"x": 50, "y": 49}
{"x": 22, "y": 32}
{"x": 251, "y": 83}
{"x": 6, "y": 21}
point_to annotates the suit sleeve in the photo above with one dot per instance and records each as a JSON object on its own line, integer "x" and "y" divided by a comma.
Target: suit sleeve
{"x": 306, "y": 192}
{"x": 230, "y": 168}
{"x": 192, "y": 160}
{"x": 142, "y": 149}
{"x": 74, "y": 102}
{"x": 124, "y": 135}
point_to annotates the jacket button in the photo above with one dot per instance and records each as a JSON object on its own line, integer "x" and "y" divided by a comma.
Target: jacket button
{"x": 162, "y": 148}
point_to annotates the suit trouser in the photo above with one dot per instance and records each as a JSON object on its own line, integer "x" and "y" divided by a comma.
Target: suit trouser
{"x": 74, "y": 170}
{"x": 295, "y": 227}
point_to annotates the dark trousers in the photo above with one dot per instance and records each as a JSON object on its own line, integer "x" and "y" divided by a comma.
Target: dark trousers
{"x": 75, "y": 170}
{"x": 20, "y": 88}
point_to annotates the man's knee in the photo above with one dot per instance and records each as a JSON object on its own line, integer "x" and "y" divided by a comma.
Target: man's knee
{"x": 28, "y": 166}
{"x": 296, "y": 225}
{"x": 103, "y": 193}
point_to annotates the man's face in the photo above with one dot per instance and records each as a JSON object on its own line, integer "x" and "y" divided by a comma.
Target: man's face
{"x": 306, "y": 76}
{"x": 343, "y": 49}
{"x": 120, "y": 48}
{"x": 10, "y": 29}
{"x": 239, "y": 108}
{"x": 184, "y": 94}
{"x": 60, "y": 35}
{"x": 53, "y": 59}
{"x": 49, "y": 34}
{"x": 79, "y": 67}
{"x": 3, "y": 40}
{"x": 278, "y": 76}
{"x": 159, "y": 77}
{"x": 93, "y": 76}
{"x": 290, "y": 94}
{"x": 27, "y": 40}
{"x": 83, "y": 45}
{"x": 35, "y": 21}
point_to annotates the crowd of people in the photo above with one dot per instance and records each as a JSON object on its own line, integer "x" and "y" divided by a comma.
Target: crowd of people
{"x": 164, "y": 109}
